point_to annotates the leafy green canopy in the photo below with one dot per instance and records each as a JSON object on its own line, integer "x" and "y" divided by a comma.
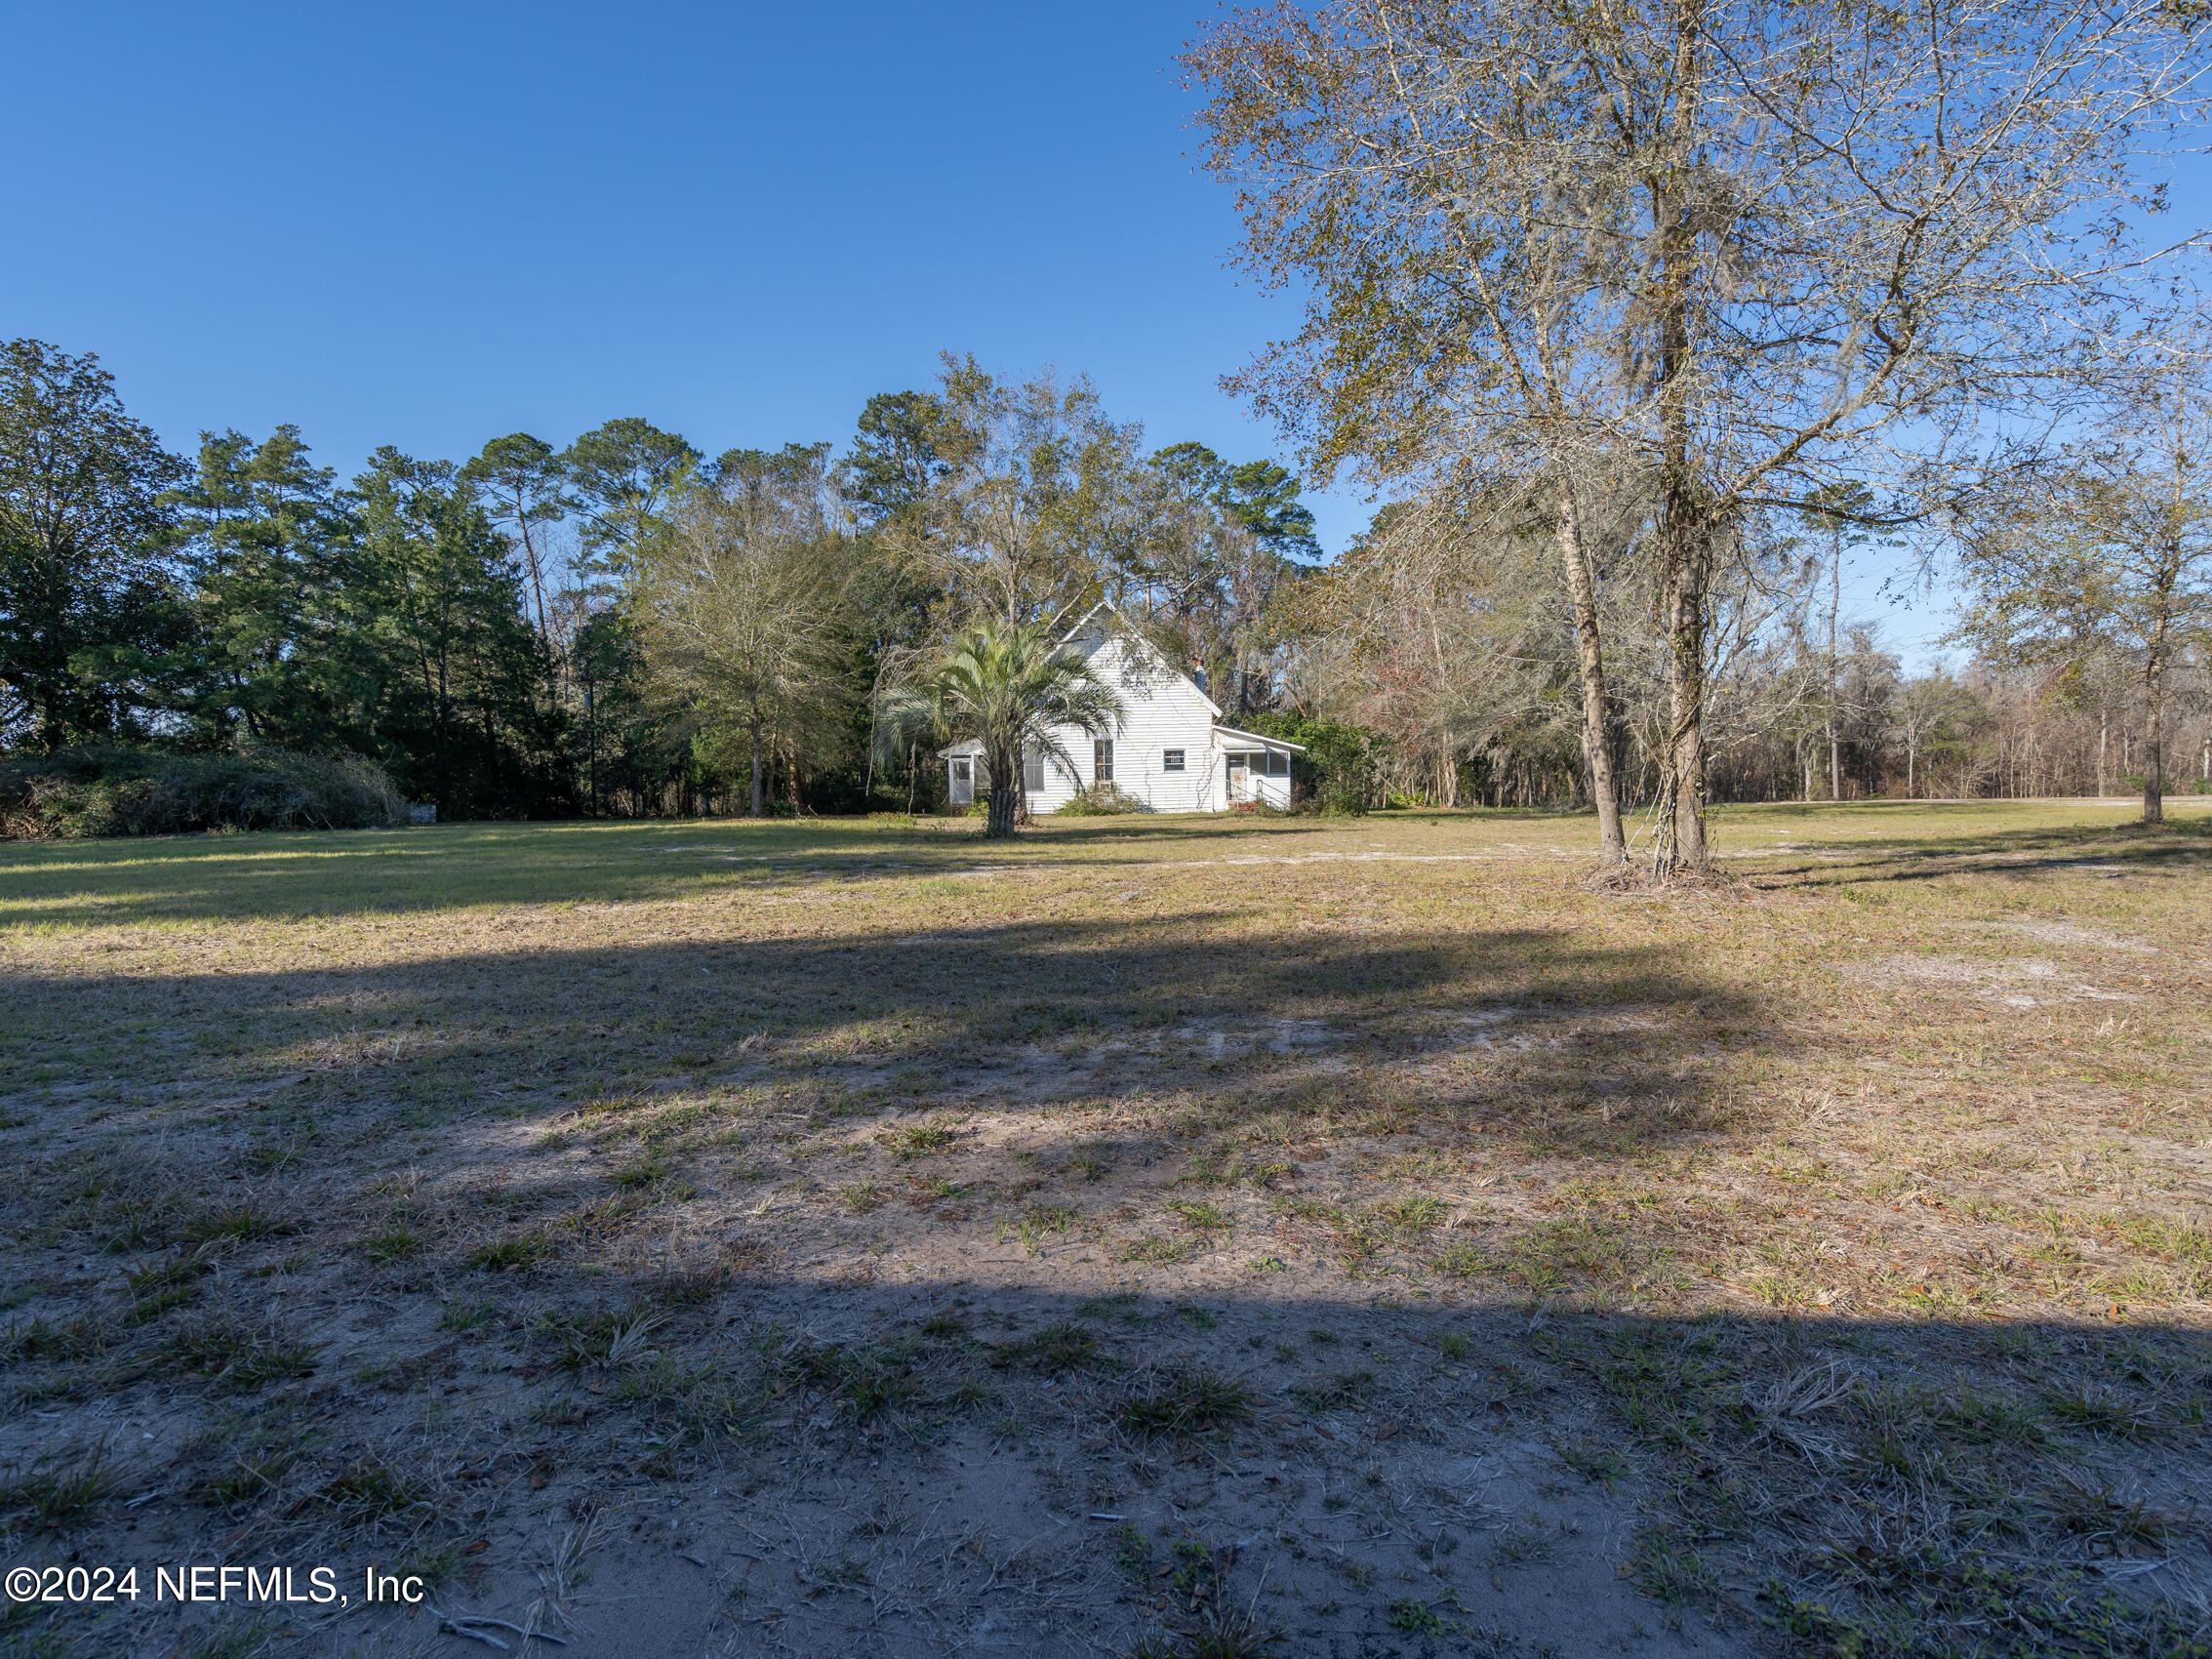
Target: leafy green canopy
{"x": 90, "y": 604}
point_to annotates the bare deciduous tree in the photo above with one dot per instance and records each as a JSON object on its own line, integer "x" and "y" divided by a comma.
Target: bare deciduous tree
{"x": 1744, "y": 250}
{"x": 2114, "y": 554}
{"x": 741, "y": 596}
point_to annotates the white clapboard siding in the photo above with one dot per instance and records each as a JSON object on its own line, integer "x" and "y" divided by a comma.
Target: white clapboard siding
{"x": 1161, "y": 709}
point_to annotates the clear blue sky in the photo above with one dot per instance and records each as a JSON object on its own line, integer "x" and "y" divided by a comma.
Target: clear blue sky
{"x": 427, "y": 226}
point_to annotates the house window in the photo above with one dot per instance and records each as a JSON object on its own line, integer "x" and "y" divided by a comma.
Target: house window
{"x": 1239, "y": 760}
{"x": 1032, "y": 771}
{"x": 960, "y": 771}
{"x": 1101, "y": 760}
{"x": 1171, "y": 760}
{"x": 1278, "y": 763}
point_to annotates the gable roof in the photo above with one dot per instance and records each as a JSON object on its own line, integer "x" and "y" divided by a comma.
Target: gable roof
{"x": 1139, "y": 642}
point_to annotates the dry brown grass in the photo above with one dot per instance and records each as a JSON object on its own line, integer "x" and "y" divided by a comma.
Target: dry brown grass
{"x": 1840, "y": 1230}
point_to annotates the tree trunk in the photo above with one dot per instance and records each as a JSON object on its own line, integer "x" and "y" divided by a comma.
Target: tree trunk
{"x": 2155, "y": 739}
{"x": 591, "y": 753}
{"x": 445, "y": 768}
{"x": 1597, "y": 754}
{"x": 1685, "y": 519}
{"x": 2103, "y": 736}
{"x": 1683, "y": 836}
{"x": 1834, "y": 604}
{"x": 755, "y": 729}
{"x": 1005, "y": 793}
{"x": 537, "y": 579}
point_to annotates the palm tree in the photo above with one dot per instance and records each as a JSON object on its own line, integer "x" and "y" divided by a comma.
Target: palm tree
{"x": 1008, "y": 686}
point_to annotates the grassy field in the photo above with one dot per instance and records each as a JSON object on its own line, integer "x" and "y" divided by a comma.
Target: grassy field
{"x": 1164, "y": 1237}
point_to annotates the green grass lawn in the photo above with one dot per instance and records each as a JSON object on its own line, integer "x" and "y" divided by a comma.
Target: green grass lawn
{"x": 1836, "y": 1240}
{"x": 455, "y": 867}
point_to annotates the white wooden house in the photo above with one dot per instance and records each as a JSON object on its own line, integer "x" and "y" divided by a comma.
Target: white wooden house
{"x": 1171, "y": 752}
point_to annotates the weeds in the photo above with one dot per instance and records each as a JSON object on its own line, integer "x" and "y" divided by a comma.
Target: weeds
{"x": 1057, "y": 1350}
{"x": 2102, "y": 1410}
{"x": 1462, "y": 1260}
{"x": 2108, "y": 1520}
{"x": 1522, "y": 1542}
{"x": 600, "y": 1340}
{"x": 372, "y": 1493}
{"x": 915, "y": 1141}
{"x": 1183, "y": 1401}
{"x": 82, "y": 1338}
{"x": 395, "y": 1242}
{"x": 1346, "y": 1391}
{"x": 1983, "y": 1419}
{"x": 59, "y": 1491}
{"x": 512, "y": 1254}
{"x": 1204, "y": 1219}
{"x": 1415, "y": 1617}
{"x": 1413, "y": 1215}
{"x": 236, "y": 1224}
{"x": 240, "y": 1354}
{"x": 1673, "y": 1576}
{"x": 868, "y": 1382}
{"x": 467, "y": 1315}
{"x": 245, "y": 1641}
{"x": 1594, "y": 1462}
{"x": 245, "y": 1480}
{"x": 1155, "y": 1251}
{"x": 1037, "y": 1222}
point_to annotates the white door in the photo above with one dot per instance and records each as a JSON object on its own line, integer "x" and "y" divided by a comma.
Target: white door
{"x": 963, "y": 780}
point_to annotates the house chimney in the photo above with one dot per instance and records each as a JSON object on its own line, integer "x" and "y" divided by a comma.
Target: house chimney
{"x": 1198, "y": 674}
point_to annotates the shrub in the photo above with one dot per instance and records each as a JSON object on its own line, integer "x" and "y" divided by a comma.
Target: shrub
{"x": 1100, "y": 800}
{"x": 76, "y": 794}
{"x": 1337, "y": 773}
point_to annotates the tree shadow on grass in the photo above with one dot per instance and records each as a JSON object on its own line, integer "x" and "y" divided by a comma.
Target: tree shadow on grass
{"x": 2171, "y": 849}
{"x": 284, "y": 875}
{"x": 1504, "y": 1024}
{"x": 886, "y": 1470}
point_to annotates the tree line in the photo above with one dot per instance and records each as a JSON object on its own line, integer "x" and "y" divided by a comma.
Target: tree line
{"x": 628, "y": 627}
{"x": 623, "y": 625}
